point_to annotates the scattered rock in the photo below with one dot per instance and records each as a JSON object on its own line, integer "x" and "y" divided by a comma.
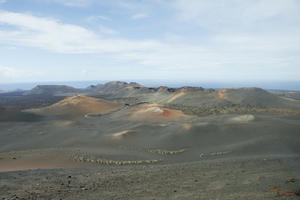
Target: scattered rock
{"x": 260, "y": 178}
{"x": 290, "y": 181}
{"x": 297, "y": 192}
{"x": 165, "y": 152}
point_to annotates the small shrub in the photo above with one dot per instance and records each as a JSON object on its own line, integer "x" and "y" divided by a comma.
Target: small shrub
{"x": 165, "y": 152}
{"x": 111, "y": 162}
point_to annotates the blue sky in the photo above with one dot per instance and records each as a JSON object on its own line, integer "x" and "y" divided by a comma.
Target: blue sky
{"x": 170, "y": 40}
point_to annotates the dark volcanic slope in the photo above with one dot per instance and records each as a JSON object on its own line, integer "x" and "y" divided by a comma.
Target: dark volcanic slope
{"x": 288, "y": 95}
{"x": 16, "y": 115}
{"x": 253, "y": 97}
{"x": 20, "y": 101}
{"x": 116, "y": 86}
{"x": 193, "y": 96}
{"x": 52, "y": 90}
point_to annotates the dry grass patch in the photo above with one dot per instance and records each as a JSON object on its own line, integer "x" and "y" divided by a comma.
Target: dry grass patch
{"x": 101, "y": 161}
{"x": 166, "y": 152}
{"x": 220, "y": 153}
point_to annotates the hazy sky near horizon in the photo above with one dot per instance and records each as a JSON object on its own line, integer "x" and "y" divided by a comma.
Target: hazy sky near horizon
{"x": 194, "y": 40}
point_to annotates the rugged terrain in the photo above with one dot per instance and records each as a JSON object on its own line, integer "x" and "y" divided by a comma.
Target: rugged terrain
{"x": 126, "y": 141}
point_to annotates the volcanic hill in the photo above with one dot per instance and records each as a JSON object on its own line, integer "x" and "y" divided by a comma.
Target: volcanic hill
{"x": 77, "y": 105}
{"x": 55, "y": 90}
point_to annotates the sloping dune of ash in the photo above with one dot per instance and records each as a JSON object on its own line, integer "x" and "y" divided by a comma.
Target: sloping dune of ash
{"x": 77, "y": 105}
{"x": 176, "y": 96}
{"x": 120, "y": 135}
{"x": 62, "y": 123}
{"x": 154, "y": 112}
{"x": 243, "y": 118}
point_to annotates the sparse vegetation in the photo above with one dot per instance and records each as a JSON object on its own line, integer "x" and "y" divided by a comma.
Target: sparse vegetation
{"x": 165, "y": 152}
{"x": 221, "y": 153}
{"x": 101, "y": 161}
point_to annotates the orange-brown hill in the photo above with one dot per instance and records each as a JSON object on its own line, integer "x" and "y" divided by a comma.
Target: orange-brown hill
{"x": 154, "y": 112}
{"x": 77, "y": 105}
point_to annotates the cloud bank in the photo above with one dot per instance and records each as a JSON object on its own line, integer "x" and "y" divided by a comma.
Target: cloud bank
{"x": 201, "y": 39}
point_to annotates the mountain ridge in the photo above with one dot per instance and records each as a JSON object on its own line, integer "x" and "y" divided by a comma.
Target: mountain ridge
{"x": 132, "y": 93}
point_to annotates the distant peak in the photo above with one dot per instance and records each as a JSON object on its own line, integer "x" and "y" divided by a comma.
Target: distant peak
{"x": 51, "y": 90}
{"x": 53, "y": 86}
{"x": 135, "y": 84}
{"x": 245, "y": 89}
{"x": 162, "y": 89}
{"x": 188, "y": 88}
{"x": 123, "y": 83}
{"x": 116, "y": 83}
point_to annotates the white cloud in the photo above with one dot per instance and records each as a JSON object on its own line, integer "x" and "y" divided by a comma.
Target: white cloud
{"x": 139, "y": 16}
{"x": 223, "y": 55}
{"x": 59, "y": 37}
{"x": 72, "y": 3}
{"x": 237, "y": 14}
{"x": 107, "y": 30}
{"x": 11, "y": 73}
{"x": 3, "y": 1}
{"x": 91, "y": 19}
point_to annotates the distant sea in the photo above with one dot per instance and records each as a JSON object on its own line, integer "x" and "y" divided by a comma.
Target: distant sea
{"x": 280, "y": 85}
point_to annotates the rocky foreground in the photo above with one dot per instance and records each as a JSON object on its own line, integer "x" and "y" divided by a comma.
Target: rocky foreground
{"x": 255, "y": 178}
